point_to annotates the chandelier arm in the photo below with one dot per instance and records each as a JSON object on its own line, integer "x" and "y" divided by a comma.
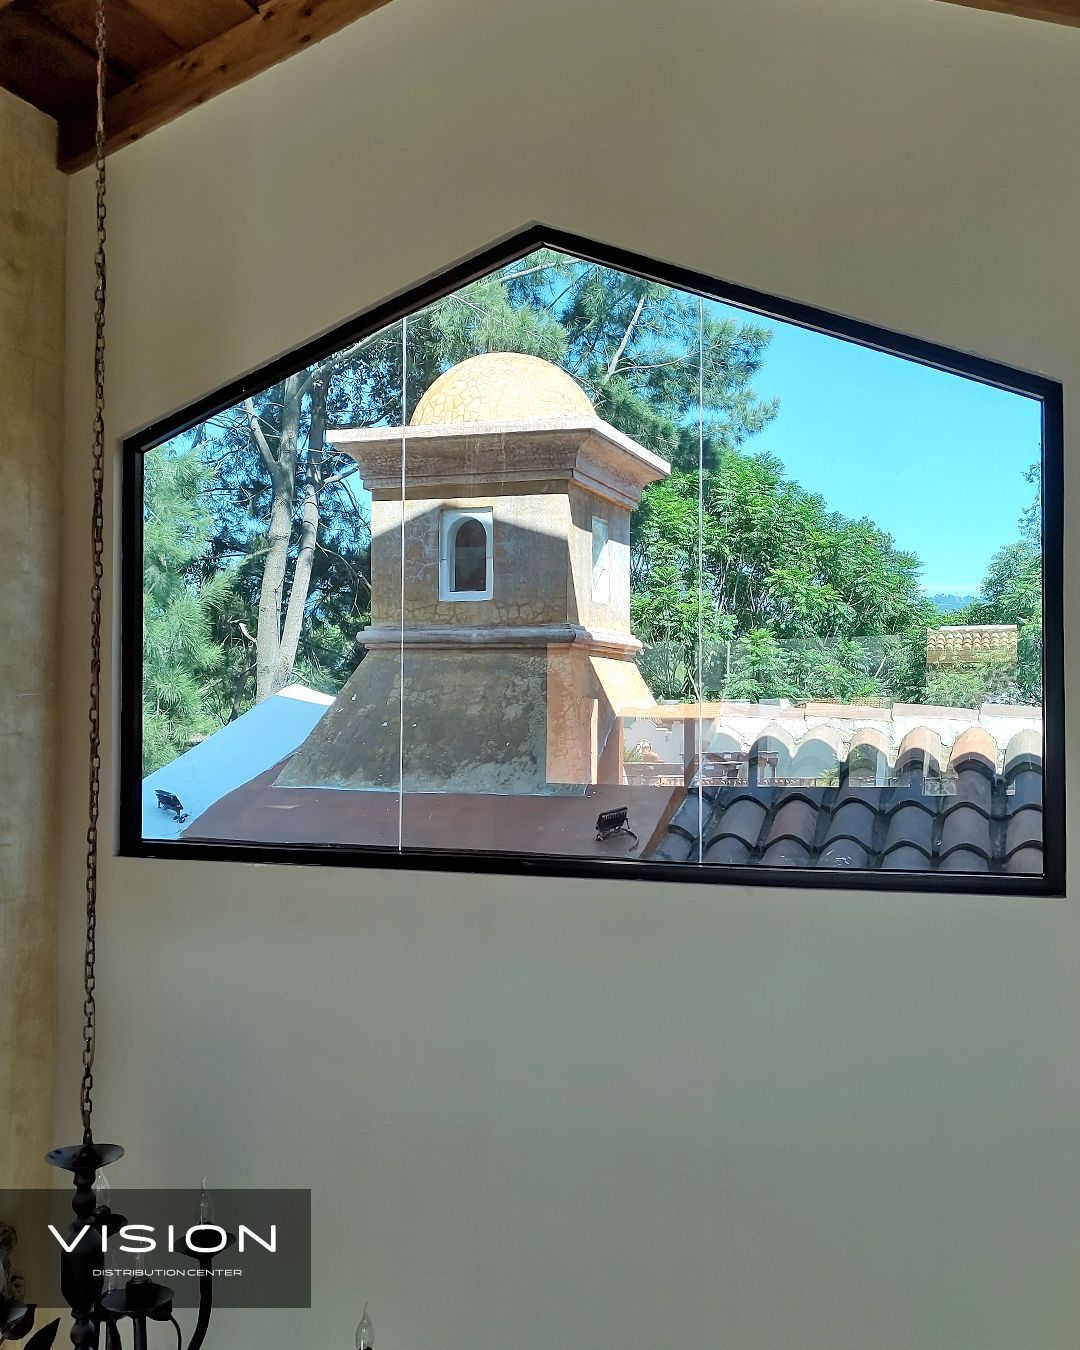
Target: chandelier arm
{"x": 206, "y": 1307}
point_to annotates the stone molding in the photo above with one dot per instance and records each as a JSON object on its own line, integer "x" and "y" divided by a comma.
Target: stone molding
{"x": 497, "y": 457}
{"x": 595, "y": 642}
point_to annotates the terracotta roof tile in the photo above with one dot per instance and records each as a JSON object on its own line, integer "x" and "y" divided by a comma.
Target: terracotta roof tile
{"x": 1026, "y": 861}
{"x": 974, "y": 819}
{"x": 854, "y": 818}
{"x": 1024, "y": 789}
{"x": 905, "y": 858}
{"x": 1025, "y": 828}
{"x": 729, "y": 848}
{"x": 742, "y": 820}
{"x": 912, "y": 822}
{"x": 675, "y": 847}
{"x": 796, "y": 819}
{"x": 786, "y": 853}
{"x": 686, "y": 817}
{"x": 965, "y": 860}
{"x": 1024, "y": 751}
{"x": 921, "y": 747}
{"x": 845, "y": 852}
{"x": 975, "y": 743}
{"x": 965, "y": 826}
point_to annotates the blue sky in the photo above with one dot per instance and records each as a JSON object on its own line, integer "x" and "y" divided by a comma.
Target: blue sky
{"x": 934, "y": 459}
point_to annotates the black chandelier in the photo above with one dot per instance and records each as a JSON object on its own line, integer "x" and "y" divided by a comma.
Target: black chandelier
{"x": 98, "y": 1310}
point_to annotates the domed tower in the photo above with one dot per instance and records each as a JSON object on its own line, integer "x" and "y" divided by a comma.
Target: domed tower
{"x": 508, "y": 629}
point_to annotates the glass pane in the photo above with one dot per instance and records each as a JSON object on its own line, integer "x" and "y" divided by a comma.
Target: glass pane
{"x": 574, "y": 563}
{"x": 264, "y": 544}
{"x": 536, "y": 430}
{"x": 876, "y": 698}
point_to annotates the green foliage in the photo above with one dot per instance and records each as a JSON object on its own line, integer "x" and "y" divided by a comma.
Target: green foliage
{"x": 1012, "y": 593}
{"x": 180, "y": 607}
{"x": 821, "y": 606}
{"x": 633, "y": 346}
{"x": 964, "y": 685}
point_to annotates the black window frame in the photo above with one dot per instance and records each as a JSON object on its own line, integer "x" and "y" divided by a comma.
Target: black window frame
{"x": 510, "y": 249}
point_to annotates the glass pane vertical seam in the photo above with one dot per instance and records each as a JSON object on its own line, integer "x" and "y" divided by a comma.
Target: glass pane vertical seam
{"x": 700, "y": 581}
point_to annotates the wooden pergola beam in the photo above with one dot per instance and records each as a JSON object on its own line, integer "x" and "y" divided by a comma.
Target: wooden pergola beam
{"x": 1051, "y": 11}
{"x": 279, "y": 29}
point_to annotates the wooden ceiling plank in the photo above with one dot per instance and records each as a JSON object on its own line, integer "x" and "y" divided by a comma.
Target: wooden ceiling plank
{"x": 135, "y": 43}
{"x": 190, "y": 23}
{"x": 44, "y": 64}
{"x": 1050, "y": 11}
{"x": 279, "y": 29}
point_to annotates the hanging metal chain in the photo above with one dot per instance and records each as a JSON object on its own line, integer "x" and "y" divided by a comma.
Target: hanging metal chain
{"x": 97, "y": 534}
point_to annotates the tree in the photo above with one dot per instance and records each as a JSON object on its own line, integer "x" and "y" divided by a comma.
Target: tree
{"x": 1011, "y": 592}
{"x": 180, "y": 656}
{"x": 795, "y": 601}
{"x": 633, "y": 345}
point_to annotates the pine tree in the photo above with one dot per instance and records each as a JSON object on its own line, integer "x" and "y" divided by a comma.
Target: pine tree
{"x": 180, "y": 606}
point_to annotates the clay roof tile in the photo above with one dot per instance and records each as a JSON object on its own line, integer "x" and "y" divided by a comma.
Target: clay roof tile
{"x": 796, "y": 818}
{"x": 1024, "y": 751}
{"x": 786, "y": 853}
{"x": 965, "y": 860}
{"x": 921, "y": 747}
{"x": 1025, "y": 829}
{"x": 1025, "y": 861}
{"x": 845, "y": 852}
{"x": 910, "y": 823}
{"x": 740, "y": 819}
{"x": 675, "y": 847}
{"x": 905, "y": 858}
{"x": 974, "y": 785}
{"x": 1024, "y": 789}
{"x": 975, "y": 743}
{"x": 965, "y": 827}
{"x": 728, "y": 849}
{"x": 852, "y": 819}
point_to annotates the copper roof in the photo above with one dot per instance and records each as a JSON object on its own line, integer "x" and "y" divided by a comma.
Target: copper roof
{"x": 963, "y": 817}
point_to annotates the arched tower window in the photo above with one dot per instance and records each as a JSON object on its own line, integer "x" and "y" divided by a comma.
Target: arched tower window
{"x": 466, "y": 569}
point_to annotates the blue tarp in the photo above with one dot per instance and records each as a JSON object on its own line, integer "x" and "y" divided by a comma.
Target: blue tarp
{"x": 231, "y": 757}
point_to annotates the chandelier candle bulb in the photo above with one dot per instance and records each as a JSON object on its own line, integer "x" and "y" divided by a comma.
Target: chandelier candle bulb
{"x": 365, "y": 1332}
{"x": 206, "y": 1205}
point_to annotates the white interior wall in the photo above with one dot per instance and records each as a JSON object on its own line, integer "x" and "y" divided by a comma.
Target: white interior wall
{"x": 609, "y": 1114}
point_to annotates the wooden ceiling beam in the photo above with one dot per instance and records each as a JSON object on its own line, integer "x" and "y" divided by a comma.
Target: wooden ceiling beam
{"x": 275, "y": 32}
{"x": 1050, "y": 11}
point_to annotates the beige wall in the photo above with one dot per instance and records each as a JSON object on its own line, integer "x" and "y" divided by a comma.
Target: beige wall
{"x": 33, "y": 202}
{"x": 611, "y": 1115}
{"x": 530, "y": 558}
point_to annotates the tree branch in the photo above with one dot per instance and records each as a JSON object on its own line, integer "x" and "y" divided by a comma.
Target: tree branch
{"x": 625, "y": 337}
{"x": 254, "y": 422}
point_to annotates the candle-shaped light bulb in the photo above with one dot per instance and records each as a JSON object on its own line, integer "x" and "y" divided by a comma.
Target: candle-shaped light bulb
{"x": 102, "y": 1190}
{"x": 135, "y": 1261}
{"x": 206, "y": 1204}
{"x": 365, "y": 1332}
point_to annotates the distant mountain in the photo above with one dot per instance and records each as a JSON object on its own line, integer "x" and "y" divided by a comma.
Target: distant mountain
{"x": 951, "y": 603}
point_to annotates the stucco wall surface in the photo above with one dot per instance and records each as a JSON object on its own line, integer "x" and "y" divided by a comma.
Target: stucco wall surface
{"x": 33, "y": 201}
{"x": 615, "y": 1115}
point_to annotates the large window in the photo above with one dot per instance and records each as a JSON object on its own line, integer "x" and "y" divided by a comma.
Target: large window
{"x": 577, "y": 563}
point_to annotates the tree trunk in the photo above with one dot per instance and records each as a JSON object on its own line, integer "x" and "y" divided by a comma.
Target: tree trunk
{"x": 281, "y": 464}
{"x": 268, "y": 632}
{"x": 309, "y": 533}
